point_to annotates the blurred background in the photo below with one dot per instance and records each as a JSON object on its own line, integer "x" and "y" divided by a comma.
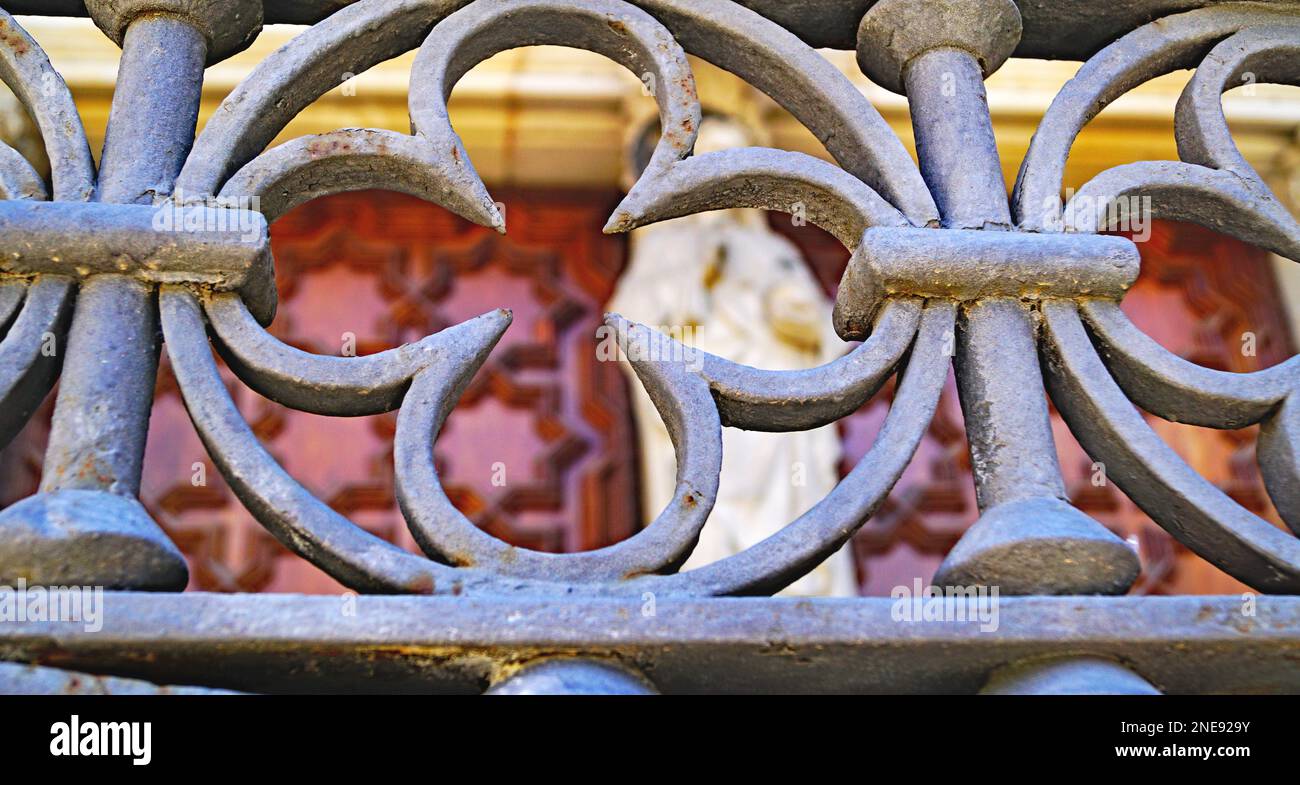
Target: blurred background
{"x": 556, "y": 134}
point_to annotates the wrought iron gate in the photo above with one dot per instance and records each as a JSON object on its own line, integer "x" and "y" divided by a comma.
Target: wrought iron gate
{"x": 169, "y": 237}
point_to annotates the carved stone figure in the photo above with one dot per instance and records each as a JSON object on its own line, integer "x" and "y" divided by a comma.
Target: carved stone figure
{"x": 727, "y": 284}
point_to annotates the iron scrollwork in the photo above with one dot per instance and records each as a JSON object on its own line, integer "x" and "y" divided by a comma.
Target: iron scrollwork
{"x": 1022, "y": 294}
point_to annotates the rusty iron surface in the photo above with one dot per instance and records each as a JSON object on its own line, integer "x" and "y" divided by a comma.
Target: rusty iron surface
{"x": 293, "y": 643}
{"x": 1053, "y": 29}
{"x": 1020, "y": 295}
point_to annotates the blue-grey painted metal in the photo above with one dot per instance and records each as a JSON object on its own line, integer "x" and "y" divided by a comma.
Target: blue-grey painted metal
{"x": 572, "y": 676}
{"x": 1067, "y": 676}
{"x": 1021, "y": 294}
{"x": 463, "y": 645}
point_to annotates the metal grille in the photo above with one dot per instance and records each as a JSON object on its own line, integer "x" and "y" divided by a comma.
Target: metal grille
{"x": 169, "y": 237}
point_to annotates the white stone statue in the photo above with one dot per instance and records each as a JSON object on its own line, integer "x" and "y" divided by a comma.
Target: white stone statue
{"x": 733, "y": 287}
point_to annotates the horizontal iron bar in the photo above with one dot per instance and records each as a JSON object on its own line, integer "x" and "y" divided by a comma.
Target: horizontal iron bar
{"x": 1053, "y": 29}
{"x": 218, "y": 248}
{"x": 293, "y": 643}
{"x": 971, "y": 265}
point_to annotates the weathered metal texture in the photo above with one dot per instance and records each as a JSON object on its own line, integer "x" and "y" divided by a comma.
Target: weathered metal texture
{"x": 696, "y": 393}
{"x": 1067, "y": 676}
{"x": 16, "y": 679}
{"x": 227, "y": 26}
{"x": 1212, "y": 186}
{"x": 573, "y": 676}
{"x": 293, "y": 644}
{"x": 974, "y": 266}
{"x": 1053, "y": 29}
{"x": 27, "y": 72}
{"x": 213, "y": 248}
{"x": 1192, "y": 509}
{"x": 805, "y": 84}
{"x": 1021, "y": 294}
{"x": 288, "y": 80}
{"x": 612, "y": 28}
{"x": 445, "y": 533}
{"x": 26, "y": 371}
{"x": 1028, "y": 540}
{"x": 85, "y": 524}
{"x": 1180, "y": 41}
{"x": 895, "y": 35}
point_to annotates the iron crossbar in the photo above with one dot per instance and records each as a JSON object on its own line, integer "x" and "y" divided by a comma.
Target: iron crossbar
{"x": 296, "y": 644}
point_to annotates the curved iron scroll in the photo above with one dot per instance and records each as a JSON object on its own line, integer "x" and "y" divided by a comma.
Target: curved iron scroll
{"x": 1023, "y": 293}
